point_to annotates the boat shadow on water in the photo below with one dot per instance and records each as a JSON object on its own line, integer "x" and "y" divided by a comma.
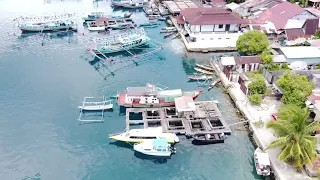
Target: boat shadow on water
{"x": 121, "y": 144}
{"x": 155, "y": 159}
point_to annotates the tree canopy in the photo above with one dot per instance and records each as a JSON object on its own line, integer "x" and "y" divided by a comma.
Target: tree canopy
{"x": 266, "y": 57}
{"x": 257, "y": 86}
{"x": 252, "y": 42}
{"x": 294, "y": 135}
{"x": 296, "y": 88}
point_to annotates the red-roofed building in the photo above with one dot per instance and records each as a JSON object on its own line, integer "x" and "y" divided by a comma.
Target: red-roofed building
{"x": 286, "y": 20}
{"x": 210, "y": 23}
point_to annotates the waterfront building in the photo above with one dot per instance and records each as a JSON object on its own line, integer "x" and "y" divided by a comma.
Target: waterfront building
{"x": 211, "y": 28}
{"x": 308, "y": 54}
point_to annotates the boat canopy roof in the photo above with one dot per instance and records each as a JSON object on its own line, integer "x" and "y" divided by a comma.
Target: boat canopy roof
{"x": 263, "y": 159}
{"x": 160, "y": 142}
{"x": 146, "y": 132}
{"x": 170, "y": 93}
{"x": 141, "y": 91}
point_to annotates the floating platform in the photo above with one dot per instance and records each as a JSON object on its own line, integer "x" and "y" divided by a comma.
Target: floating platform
{"x": 205, "y": 117}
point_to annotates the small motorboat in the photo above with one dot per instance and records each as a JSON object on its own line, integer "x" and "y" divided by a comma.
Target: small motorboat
{"x": 199, "y": 78}
{"x": 150, "y": 23}
{"x": 262, "y": 162}
{"x": 214, "y": 83}
{"x": 96, "y": 107}
{"x": 168, "y": 29}
{"x": 203, "y": 71}
{"x": 205, "y": 67}
{"x": 155, "y": 147}
{"x": 208, "y": 138}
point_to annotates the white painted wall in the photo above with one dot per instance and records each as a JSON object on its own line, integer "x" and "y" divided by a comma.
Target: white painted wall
{"x": 207, "y": 28}
{"x": 234, "y": 27}
{"x": 217, "y": 29}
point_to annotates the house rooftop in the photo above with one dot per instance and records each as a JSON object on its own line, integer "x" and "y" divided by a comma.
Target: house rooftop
{"x": 301, "y": 52}
{"x": 280, "y": 13}
{"x": 211, "y": 16}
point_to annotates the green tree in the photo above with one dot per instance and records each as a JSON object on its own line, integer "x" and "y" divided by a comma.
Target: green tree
{"x": 296, "y": 88}
{"x": 297, "y": 145}
{"x": 266, "y": 57}
{"x": 252, "y": 42}
{"x": 317, "y": 35}
{"x": 255, "y": 98}
{"x": 257, "y": 86}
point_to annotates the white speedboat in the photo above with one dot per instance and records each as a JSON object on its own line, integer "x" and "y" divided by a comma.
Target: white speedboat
{"x": 140, "y": 135}
{"x": 168, "y": 29}
{"x": 262, "y": 162}
{"x": 155, "y": 147}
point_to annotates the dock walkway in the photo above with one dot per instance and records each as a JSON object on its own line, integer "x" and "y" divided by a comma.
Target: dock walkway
{"x": 206, "y": 119}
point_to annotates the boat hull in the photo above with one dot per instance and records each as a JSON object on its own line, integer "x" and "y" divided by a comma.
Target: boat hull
{"x": 32, "y": 30}
{"x": 199, "y": 139}
{"x": 108, "y": 50}
{"x": 133, "y": 141}
{"x": 96, "y": 108}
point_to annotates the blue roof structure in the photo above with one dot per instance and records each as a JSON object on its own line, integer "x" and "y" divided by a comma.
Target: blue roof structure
{"x": 160, "y": 142}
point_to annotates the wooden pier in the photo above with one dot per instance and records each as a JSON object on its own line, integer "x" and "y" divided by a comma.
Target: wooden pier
{"x": 205, "y": 118}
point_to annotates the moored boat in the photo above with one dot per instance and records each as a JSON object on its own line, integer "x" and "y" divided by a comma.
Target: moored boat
{"x": 155, "y": 147}
{"x": 168, "y": 29}
{"x": 96, "y": 107}
{"x": 155, "y": 9}
{"x": 150, "y": 23}
{"x": 140, "y": 135}
{"x": 262, "y": 162}
{"x": 199, "y": 78}
{"x": 149, "y": 96}
{"x": 100, "y": 13}
{"x": 168, "y": 34}
{"x": 120, "y": 42}
{"x": 209, "y": 138}
{"x": 56, "y": 25}
{"x": 127, "y": 4}
{"x": 98, "y": 25}
{"x": 203, "y": 71}
{"x": 205, "y": 67}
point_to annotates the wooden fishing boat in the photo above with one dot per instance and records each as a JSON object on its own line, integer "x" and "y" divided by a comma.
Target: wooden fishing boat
{"x": 127, "y": 4}
{"x": 155, "y": 147}
{"x": 100, "y": 13}
{"x": 120, "y": 23}
{"x": 199, "y": 78}
{"x": 49, "y": 26}
{"x": 152, "y": 17}
{"x": 150, "y": 23}
{"x": 121, "y": 42}
{"x": 168, "y": 29}
{"x": 262, "y": 162}
{"x": 205, "y": 67}
{"x": 214, "y": 83}
{"x": 208, "y": 138}
{"x": 150, "y": 96}
{"x": 141, "y": 135}
{"x": 203, "y": 71}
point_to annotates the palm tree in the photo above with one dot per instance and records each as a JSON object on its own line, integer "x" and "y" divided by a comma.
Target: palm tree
{"x": 294, "y": 135}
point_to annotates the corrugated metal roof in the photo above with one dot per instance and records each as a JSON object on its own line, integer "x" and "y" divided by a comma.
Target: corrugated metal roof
{"x": 280, "y": 13}
{"x": 293, "y": 34}
{"x": 294, "y": 23}
{"x": 311, "y": 26}
{"x": 211, "y": 16}
{"x": 301, "y": 52}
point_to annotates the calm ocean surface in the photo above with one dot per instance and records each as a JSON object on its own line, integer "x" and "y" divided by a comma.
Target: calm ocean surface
{"x": 44, "y": 79}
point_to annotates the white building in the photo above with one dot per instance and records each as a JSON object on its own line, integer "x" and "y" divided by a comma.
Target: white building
{"x": 211, "y": 27}
{"x": 308, "y": 54}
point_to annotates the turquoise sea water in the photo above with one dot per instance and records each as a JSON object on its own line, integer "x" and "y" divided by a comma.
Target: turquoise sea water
{"x": 43, "y": 80}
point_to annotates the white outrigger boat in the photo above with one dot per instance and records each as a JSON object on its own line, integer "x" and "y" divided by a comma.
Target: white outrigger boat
{"x": 262, "y": 162}
{"x": 102, "y": 24}
{"x": 168, "y": 29}
{"x": 140, "y": 135}
{"x": 95, "y": 106}
{"x": 155, "y": 147}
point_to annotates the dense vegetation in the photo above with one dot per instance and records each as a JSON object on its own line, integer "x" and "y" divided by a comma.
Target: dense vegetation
{"x": 252, "y": 42}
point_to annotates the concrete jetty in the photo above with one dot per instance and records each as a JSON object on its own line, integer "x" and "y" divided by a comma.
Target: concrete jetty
{"x": 187, "y": 117}
{"x": 261, "y": 135}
